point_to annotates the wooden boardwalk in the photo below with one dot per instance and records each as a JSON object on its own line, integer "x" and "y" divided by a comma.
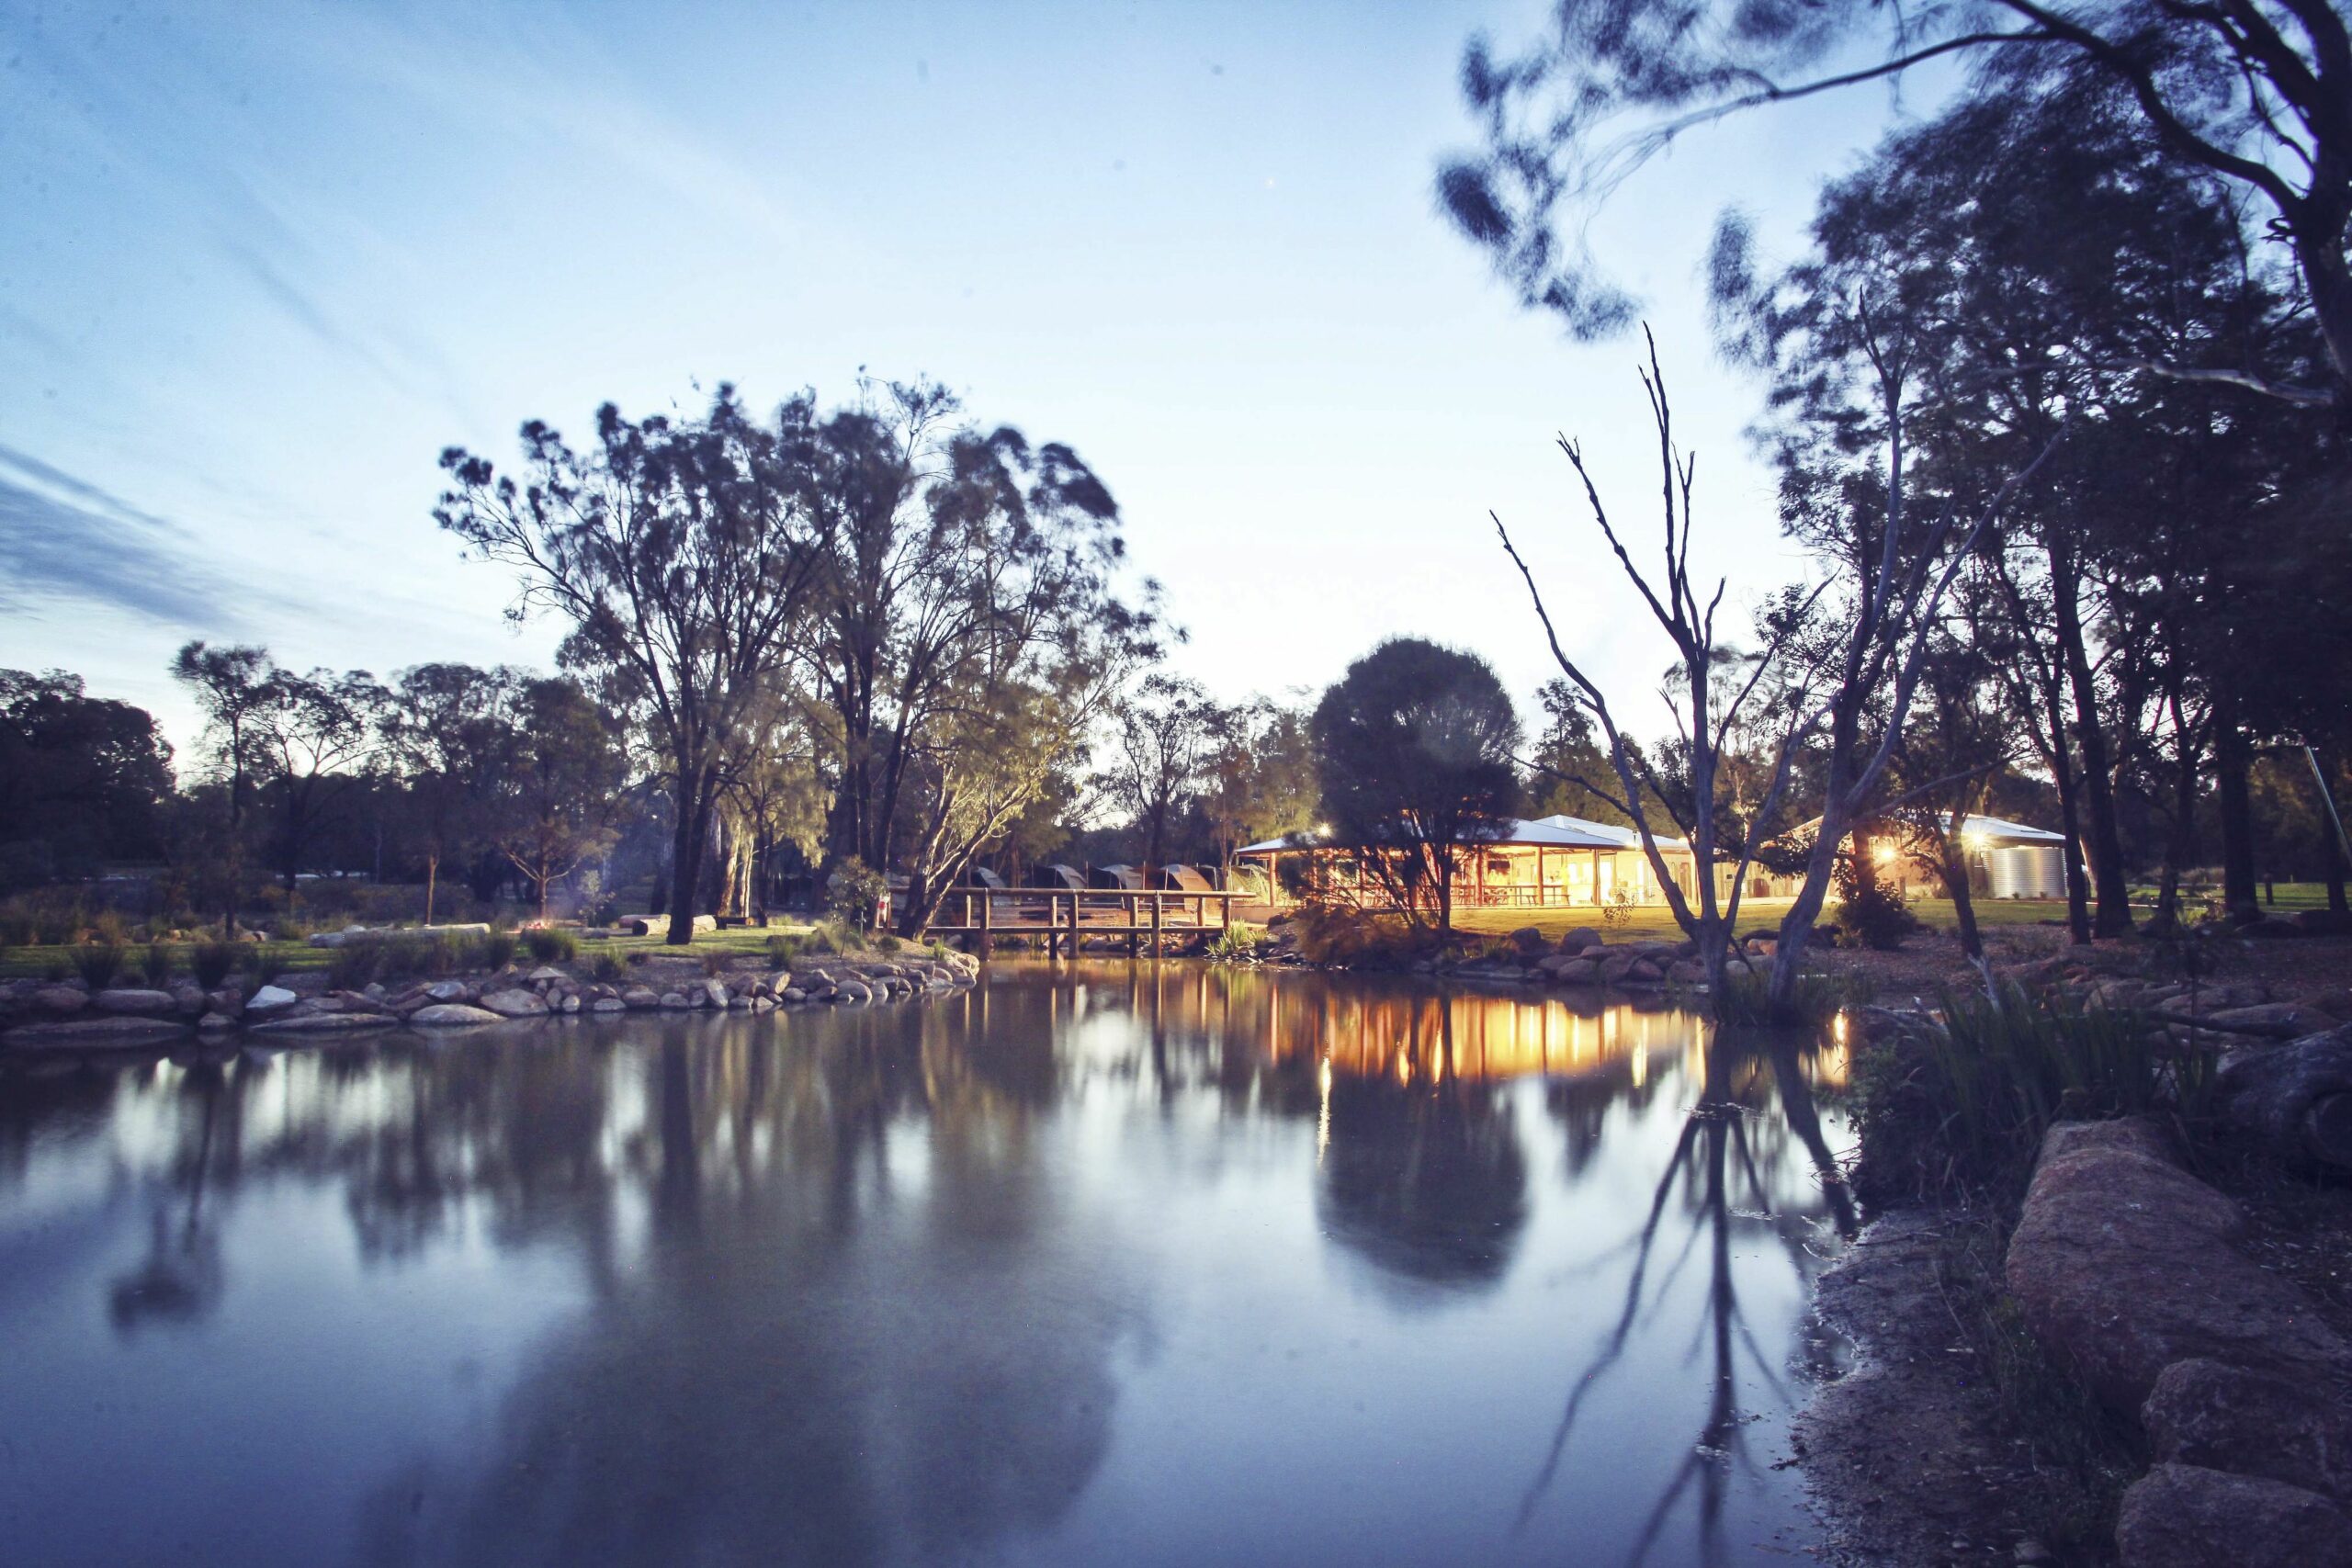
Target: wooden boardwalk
{"x": 1064, "y": 918}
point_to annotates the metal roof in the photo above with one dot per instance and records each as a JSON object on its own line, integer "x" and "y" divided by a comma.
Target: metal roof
{"x": 1546, "y": 833}
{"x": 2000, "y": 827}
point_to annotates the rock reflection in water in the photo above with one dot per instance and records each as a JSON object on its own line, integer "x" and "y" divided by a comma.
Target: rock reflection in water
{"x": 995, "y": 1275}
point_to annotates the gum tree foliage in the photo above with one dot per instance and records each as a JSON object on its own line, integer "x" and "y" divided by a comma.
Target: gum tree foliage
{"x": 1415, "y": 747}
{"x": 559, "y": 799}
{"x": 2255, "y": 93}
{"x": 968, "y": 630}
{"x": 312, "y": 737}
{"x": 449, "y": 735}
{"x": 82, "y": 779}
{"x": 1259, "y": 777}
{"x": 686, "y": 555}
{"x": 1165, "y": 733}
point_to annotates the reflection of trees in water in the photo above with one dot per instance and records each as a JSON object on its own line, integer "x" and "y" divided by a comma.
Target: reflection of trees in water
{"x": 819, "y": 1357}
{"x": 1421, "y": 1172}
{"x": 180, "y": 1281}
{"x": 1717, "y": 1155}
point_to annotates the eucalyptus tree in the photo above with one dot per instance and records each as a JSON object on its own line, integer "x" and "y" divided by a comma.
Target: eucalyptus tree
{"x": 450, "y": 733}
{"x": 561, "y": 796}
{"x": 1839, "y": 688}
{"x": 1163, "y": 735}
{"x": 685, "y": 554}
{"x": 1415, "y": 749}
{"x": 2255, "y": 93}
{"x": 1259, "y": 777}
{"x": 970, "y": 630}
{"x": 313, "y": 737}
{"x": 227, "y": 685}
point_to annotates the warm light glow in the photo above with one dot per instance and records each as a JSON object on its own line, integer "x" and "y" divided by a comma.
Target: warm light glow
{"x": 1838, "y": 1028}
{"x": 1882, "y": 852}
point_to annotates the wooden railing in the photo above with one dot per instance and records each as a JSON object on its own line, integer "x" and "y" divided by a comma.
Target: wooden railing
{"x": 1064, "y": 917}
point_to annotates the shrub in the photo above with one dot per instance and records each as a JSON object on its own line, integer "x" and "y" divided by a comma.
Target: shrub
{"x": 854, "y": 892}
{"x": 497, "y": 949}
{"x": 291, "y": 928}
{"x": 783, "y": 950}
{"x": 607, "y": 966}
{"x": 550, "y": 945}
{"x": 887, "y": 943}
{"x": 714, "y": 963}
{"x": 213, "y": 961}
{"x": 1329, "y": 933}
{"x": 1868, "y": 910}
{"x": 1745, "y": 1001}
{"x": 827, "y": 936}
{"x": 98, "y": 962}
{"x": 158, "y": 965}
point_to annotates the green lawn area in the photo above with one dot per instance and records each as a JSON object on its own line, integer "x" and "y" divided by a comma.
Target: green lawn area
{"x": 275, "y": 957}
{"x": 1657, "y": 921}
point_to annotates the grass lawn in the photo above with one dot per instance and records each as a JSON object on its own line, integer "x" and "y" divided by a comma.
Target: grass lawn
{"x": 1755, "y": 914}
{"x": 275, "y": 957}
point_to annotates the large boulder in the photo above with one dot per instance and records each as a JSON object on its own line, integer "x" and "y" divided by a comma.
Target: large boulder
{"x": 125, "y": 999}
{"x": 269, "y": 1001}
{"x": 325, "y": 1023}
{"x": 451, "y": 1015}
{"x": 2224, "y": 1417}
{"x": 2296, "y": 1098}
{"x": 2185, "y": 1516}
{"x": 60, "y": 1002}
{"x": 2273, "y": 1020}
{"x": 516, "y": 1002}
{"x": 640, "y": 999}
{"x": 114, "y": 1031}
{"x": 714, "y": 995}
{"x": 2122, "y": 1263}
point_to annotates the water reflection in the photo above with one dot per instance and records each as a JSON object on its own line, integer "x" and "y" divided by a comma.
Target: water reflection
{"x": 1156, "y": 1264}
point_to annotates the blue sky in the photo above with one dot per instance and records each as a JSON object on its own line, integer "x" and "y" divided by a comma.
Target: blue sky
{"x": 264, "y": 261}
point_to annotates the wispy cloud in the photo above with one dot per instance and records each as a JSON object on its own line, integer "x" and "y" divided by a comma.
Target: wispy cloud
{"x": 65, "y": 541}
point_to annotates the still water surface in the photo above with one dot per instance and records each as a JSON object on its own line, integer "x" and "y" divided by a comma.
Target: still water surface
{"x": 1103, "y": 1264}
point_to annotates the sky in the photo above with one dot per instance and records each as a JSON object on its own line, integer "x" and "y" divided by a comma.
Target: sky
{"x": 263, "y": 262}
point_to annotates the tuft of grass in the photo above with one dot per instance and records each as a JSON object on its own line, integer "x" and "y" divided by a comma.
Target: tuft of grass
{"x": 1234, "y": 945}
{"x": 355, "y": 966}
{"x": 158, "y": 965}
{"x": 607, "y": 966}
{"x": 1746, "y": 999}
{"x": 98, "y": 962}
{"x": 213, "y": 961}
{"x": 497, "y": 949}
{"x": 783, "y": 950}
{"x": 1956, "y": 1105}
{"x": 550, "y": 945}
{"x": 888, "y": 942}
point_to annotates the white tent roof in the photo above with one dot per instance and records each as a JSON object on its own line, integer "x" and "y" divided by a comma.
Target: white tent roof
{"x": 1547, "y": 832}
{"x": 2000, "y": 827}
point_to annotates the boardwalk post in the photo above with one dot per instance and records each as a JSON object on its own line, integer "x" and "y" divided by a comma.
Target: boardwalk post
{"x": 988, "y": 907}
{"x": 1155, "y": 910}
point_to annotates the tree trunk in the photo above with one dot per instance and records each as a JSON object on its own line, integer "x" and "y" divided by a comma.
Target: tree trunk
{"x": 686, "y": 850}
{"x": 2232, "y": 759}
{"x": 1963, "y": 897}
{"x": 2104, "y": 842}
{"x": 432, "y": 868}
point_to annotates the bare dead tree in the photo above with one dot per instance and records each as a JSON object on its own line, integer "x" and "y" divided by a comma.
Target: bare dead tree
{"x": 1804, "y": 697}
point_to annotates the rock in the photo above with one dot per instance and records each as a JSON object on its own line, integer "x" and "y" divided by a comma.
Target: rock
{"x": 2296, "y": 1098}
{"x": 447, "y": 990}
{"x": 325, "y": 1023}
{"x": 119, "y": 1029}
{"x": 516, "y": 1002}
{"x": 2224, "y": 1417}
{"x": 714, "y": 995}
{"x": 189, "y": 998}
{"x": 301, "y": 982}
{"x": 852, "y": 991}
{"x": 1530, "y": 941}
{"x": 212, "y": 1023}
{"x": 547, "y": 974}
{"x": 1577, "y": 938}
{"x": 637, "y": 998}
{"x": 61, "y": 1000}
{"x": 228, "y": 1000}
{"x": 2122, "y": 1264}
{"x": 572, "y": 1003}
{"x": 672, "y": 1003}
{"x": 269, "y": 1001}
{"x": 148, "y": 1004}
{"x": 2273, "y": 1020}
{"x": 795, "y": 994}
{"x": 608, "y": 1004}
{"x": 451, "y": 1015}
{"x": 1687, "y": 972}
{"x": 2184, "y": 1516}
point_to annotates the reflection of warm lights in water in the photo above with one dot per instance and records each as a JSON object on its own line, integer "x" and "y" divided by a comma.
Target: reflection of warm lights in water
{"x": 1838, "y": 1027}
{"x": 1641, "y": 1062}
{"x": 1323, "y": 1117}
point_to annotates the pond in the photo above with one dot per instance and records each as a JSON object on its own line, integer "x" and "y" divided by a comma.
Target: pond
{"x": 1098, "y": 1263}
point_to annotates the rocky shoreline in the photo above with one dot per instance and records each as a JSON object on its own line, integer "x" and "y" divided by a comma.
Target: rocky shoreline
{"x": 300, "y": 1003}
